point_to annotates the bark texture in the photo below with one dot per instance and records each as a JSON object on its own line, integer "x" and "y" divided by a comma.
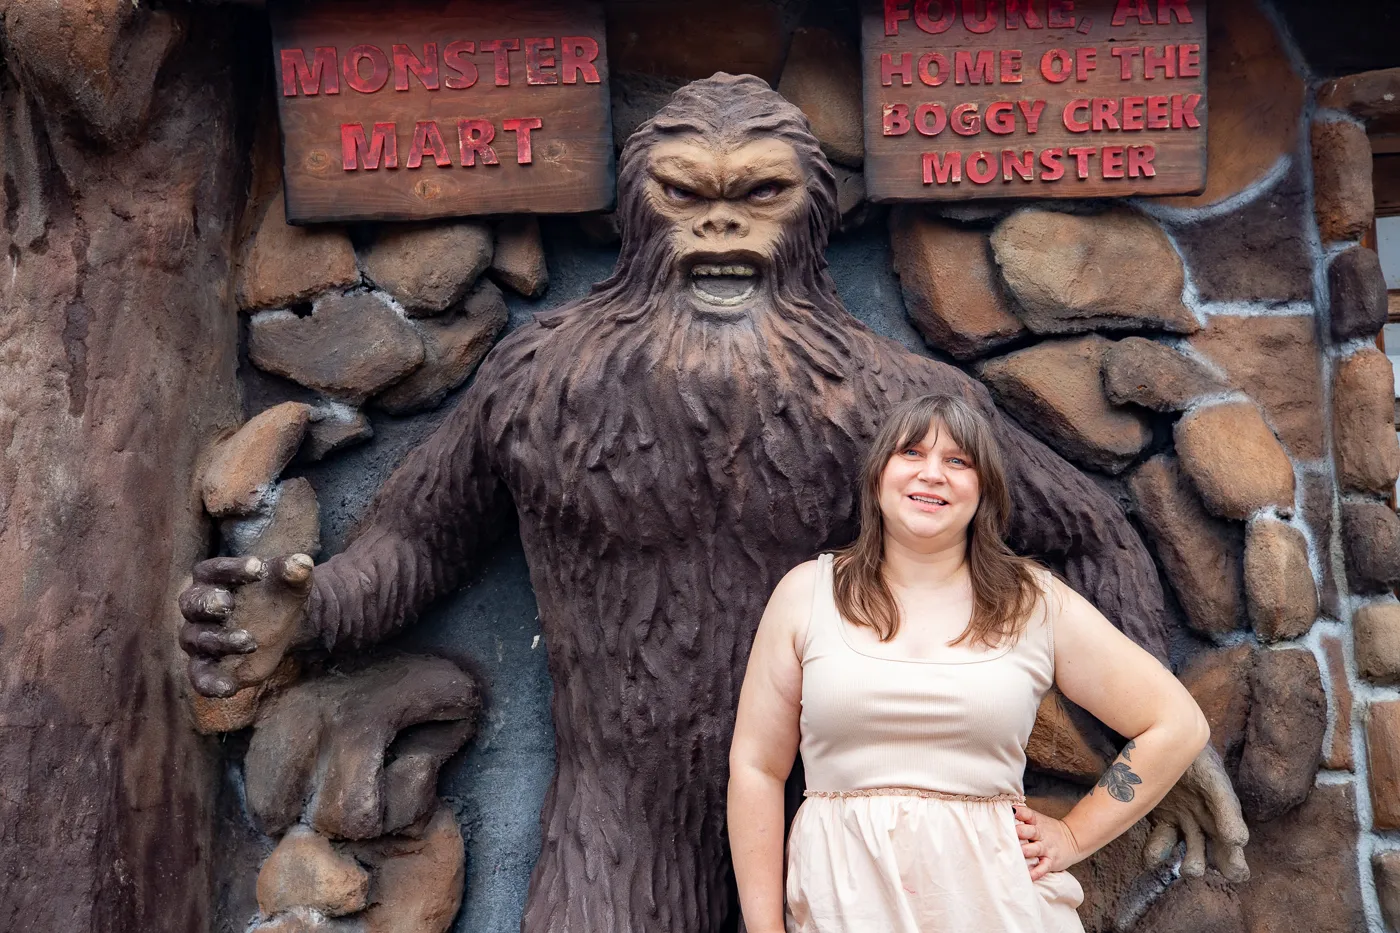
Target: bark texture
{"x": 117, "y": 341}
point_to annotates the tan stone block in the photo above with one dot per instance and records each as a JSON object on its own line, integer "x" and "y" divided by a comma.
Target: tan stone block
{"x": 1234, "y": 460}
{"x": 822, "y": 77}
{"x": 1373, "y": 96}
{"x": 242, "y": 469}
{"x": 1303, "y": 868}
{"x": 1343, "y": 196}
{"x": 518, "y": 259}
{"x": 1219, "y": 681}
{"x": 1065, "y": 271}
{"x": 418, "y": 878}
{"x": 1138, "y": 371}
{"x": 293, "y": 527}
{"x": 1055, "y": 389}
{"x": 1371, "y": 545}
{"x": 305, "y": 871}
{"x": 951, "y": 287}
{"x": 1375, "y": 631}
{"x": 428, "y": 267}
{"x": 1283, "y": 739}
{"x": 1363, "y": 430}
{"x": 349, "y": 347}
{"x": 1386, "y": 868}
{"x": 1383, "y": 756}
{"x": 1278, "y": 362}
{"x": 453, "y": 345}
{"x": 1338, "y": 755}
{"x": 1278, "y": 581}
{"x": 1202, "y": 556}
{"x": 1256, "y": 99}
{"x": 1066, "y": 742}
{"x": 284, "y": 265}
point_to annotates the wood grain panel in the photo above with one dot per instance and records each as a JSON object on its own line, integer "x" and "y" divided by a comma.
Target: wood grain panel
{"x": 954, "y": 89}
{"x": 365, "y": 80}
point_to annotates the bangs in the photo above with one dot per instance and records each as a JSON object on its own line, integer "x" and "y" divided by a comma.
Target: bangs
{"x": 937, "y": 414}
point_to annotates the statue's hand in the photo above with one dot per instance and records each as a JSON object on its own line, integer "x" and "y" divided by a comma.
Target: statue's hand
{"x": 1201, "y": 806}
{"x": 242, "y": 615}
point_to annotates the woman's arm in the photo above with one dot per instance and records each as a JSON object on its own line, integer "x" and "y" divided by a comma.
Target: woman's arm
{"x": 764, "y": 748}
{"x": 1130, "y": 691}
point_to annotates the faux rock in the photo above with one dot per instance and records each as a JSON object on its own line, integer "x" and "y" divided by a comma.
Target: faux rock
{"x": 336, "y": 428}
{"x": 324, "y": 741}
{"x": 427, "y": 268}
{"x": 1294, "y": 858}
{"x": 1369, "y": 95}
{"x": 1338, "y": 754}
{"x": 1356, "y": 285}
{"x": 851, "y": 206}
{"x": 517, "y": 261}
{"x": 304, "y": 871}
{"x": 951, "y": 287}
{"x": 1283, "y": 740}
{"x": 1201, "y": 555}
{"x": 635, "y": 99}
{"x": 350, "y": 347}
{"x": 1383, "y": 754}
{"x": 1386, "y": 866}
{"x": 1363, "y": 423}
{"x": 1138, "y": 371}
{"x": 1342, "y": 192}
{"x": 1276, "y": 359}
{"x": 1376, "y": 642}
{"x": 243, "y": 468}
{"x": 822, "y": 77}
{"x": 293, "y": 527}
{"x": 1278, "y": 581}
{"x": 452, "y": 348}
{"x": 1261, "y": 251}
{"x": 1219, "y": 680}
{"x": 1195, "y": 905}
{"x": 1064, "y": 272}
{"x": 418, "y": 879}
{"x": 737, "y": 36}
{"x": 1371, "y": 545}
{"x": 1234, "y": 460}
{"x": 1256, "y": 98}
{"x": 284, "y": 265}
{"x": 1055, "y": 389}
{"x": 1068, "y": 742}
{"x": 1318, "y": 493}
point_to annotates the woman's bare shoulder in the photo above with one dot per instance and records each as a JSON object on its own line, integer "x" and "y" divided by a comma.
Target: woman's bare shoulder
{"x": 791, "y": 603}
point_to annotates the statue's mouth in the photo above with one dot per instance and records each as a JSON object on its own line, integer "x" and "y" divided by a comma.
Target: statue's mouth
{"x": 724, "y": 284}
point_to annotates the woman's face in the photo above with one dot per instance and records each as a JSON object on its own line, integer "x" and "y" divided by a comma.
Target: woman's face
{"x": 929, "y": 491}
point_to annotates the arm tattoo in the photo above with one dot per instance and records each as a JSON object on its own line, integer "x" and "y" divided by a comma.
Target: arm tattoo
{"x": 1119, "y": 778}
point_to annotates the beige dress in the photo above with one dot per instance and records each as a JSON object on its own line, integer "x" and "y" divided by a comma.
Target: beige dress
{"x": 912, "y": 770}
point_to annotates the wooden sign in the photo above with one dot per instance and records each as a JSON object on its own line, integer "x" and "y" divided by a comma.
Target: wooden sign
{"x": 1033, "y": 98}
{"x": 408, "y": 109}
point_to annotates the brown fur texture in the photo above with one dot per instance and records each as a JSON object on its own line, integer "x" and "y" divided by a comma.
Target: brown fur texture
{"x": 667, "y": 470}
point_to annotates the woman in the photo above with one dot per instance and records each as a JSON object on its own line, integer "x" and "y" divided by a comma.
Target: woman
{"x": 908, "y": 668}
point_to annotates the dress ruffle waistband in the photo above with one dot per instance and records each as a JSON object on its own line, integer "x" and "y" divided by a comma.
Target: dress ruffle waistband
{"x": 914, "y": 792}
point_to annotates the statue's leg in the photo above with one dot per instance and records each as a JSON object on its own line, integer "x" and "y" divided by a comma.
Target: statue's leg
{"x": 633, "y": 837}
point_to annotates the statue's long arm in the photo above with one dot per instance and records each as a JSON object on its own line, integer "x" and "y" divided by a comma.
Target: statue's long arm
{"x": 1058, "y": 511}
{"x": 427, "y": 523}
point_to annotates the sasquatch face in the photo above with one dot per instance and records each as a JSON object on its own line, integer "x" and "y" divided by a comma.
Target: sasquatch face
{"x": 726, "y": 209}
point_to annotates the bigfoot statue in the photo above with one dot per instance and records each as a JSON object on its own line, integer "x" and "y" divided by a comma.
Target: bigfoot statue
{"x": 672, "y": 444}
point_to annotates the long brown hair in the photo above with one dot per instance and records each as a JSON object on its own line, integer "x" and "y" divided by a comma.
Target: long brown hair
{"x": 1004, "y": 588}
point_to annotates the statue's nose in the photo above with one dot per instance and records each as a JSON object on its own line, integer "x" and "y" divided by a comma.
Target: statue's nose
{"x": 722, "y": 223}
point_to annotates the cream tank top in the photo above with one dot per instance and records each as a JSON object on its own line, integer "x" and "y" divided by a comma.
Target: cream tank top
{"x": 957, "y": 724}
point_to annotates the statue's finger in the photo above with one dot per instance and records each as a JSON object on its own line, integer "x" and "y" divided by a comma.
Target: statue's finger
{"x": 1193, "y": 863}
{"x": 209, "y": 680}
{"x": 215, "y": 641}
{"x": 294, "y": 570}
{"x": 204, "y": 602}
{"x": 230, "y": 571}
{"x": 1160, "y": 843}
{"x": 1230, "y": 861}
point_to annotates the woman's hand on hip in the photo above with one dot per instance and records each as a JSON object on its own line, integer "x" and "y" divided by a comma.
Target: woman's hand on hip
{"x": 1046, "y": 842}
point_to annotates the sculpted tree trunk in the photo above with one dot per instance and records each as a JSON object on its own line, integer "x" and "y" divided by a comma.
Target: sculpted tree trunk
{"x": 121, "y": 147}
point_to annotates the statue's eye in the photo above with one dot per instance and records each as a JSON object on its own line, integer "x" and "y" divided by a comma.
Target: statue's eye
{"x": 765, "y": 192}
{"x": 680, "y": 195}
